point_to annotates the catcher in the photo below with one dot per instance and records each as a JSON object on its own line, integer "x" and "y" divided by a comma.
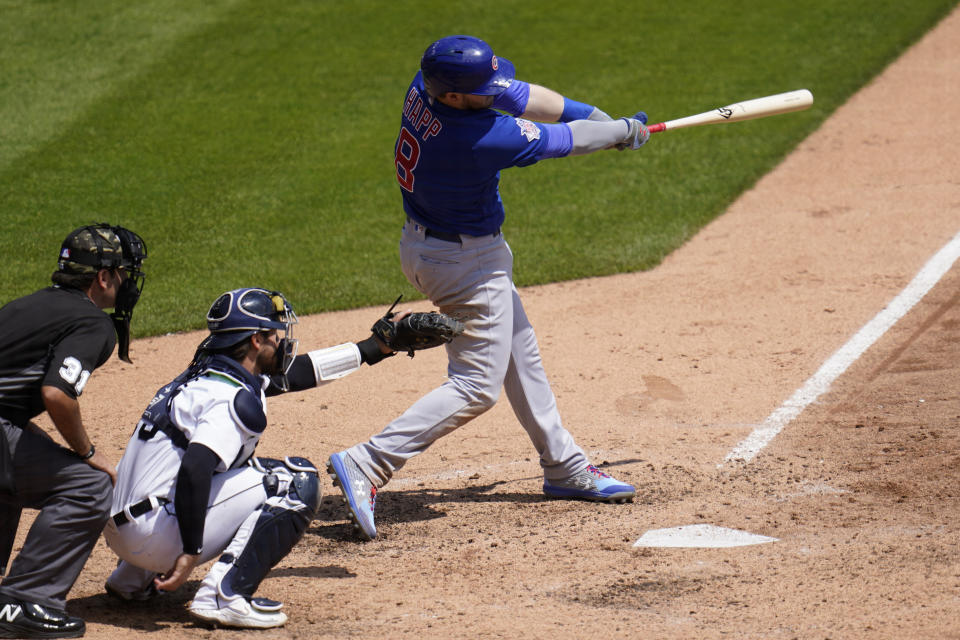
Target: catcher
{"x": 189, "y": 488}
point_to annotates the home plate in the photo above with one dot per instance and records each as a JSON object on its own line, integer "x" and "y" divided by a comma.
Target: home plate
{"x": 699, "y": 536}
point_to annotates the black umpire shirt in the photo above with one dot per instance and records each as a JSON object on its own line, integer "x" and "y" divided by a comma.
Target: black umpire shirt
{"x": 55, "y": 337}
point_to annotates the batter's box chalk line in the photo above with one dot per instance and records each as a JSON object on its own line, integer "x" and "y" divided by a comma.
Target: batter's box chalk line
{"x": 820, "y": 382}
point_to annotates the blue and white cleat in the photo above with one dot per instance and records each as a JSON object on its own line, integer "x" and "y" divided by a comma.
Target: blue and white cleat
{"x": 590, "y": 484}
{"x": 359, "y": 494}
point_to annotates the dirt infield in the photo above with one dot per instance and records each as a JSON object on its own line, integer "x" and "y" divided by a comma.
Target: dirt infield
{"x": 659, "y": 375}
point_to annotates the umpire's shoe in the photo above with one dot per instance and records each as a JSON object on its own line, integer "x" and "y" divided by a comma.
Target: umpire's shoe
{"x": 358, "y": 492}
{"x": 19, "y": 619}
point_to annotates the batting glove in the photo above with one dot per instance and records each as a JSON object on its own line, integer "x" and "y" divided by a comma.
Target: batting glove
{"x": 637, "y": 133}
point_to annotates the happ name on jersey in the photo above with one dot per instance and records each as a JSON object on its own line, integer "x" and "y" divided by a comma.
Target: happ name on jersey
{"x": 419, "y": 116}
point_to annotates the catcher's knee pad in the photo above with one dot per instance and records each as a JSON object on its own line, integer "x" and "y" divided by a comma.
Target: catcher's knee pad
{"x": 293, "y": 478}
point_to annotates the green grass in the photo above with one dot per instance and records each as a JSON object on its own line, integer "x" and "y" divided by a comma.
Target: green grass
{"x": 252, "y": 143}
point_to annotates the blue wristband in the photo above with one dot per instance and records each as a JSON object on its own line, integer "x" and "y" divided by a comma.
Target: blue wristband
{"x": 573, "y": 110}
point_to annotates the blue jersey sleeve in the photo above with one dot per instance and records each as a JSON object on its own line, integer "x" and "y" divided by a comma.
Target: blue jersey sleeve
{"x": 559, "y": 140}
{"x": 514, "y": 99}
{"x": 515, "y": 142}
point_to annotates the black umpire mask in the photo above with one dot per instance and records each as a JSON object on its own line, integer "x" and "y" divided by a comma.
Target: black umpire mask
{"x": 127, "y": 296}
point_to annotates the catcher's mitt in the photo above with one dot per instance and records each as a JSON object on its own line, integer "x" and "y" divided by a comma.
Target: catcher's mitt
{"x": 416, "y": 331}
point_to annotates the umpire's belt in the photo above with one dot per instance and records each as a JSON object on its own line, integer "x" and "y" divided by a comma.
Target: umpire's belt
{"x": 138, "y": 509}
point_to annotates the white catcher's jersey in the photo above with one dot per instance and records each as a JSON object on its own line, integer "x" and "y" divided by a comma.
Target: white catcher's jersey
{"x": 203, "y": 412}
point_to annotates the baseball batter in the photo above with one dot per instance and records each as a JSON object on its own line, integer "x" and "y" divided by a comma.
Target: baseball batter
{"x": 189, "y": 488}
{"x": 454, "y": 140}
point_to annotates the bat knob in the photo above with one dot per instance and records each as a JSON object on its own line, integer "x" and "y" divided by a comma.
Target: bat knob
{"x": 641, "y": 116}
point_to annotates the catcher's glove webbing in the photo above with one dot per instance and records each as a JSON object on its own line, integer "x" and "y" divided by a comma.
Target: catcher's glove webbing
{"x": 416, "y": 331}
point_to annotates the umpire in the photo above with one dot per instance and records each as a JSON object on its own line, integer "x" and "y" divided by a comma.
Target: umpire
{"x": 50, "y": 342}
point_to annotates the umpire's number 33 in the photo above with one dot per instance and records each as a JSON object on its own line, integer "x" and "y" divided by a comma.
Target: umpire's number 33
{"x": 407, "y": 155}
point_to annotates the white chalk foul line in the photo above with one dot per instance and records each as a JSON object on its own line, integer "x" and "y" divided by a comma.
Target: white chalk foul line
{"x": 820, "y": 382}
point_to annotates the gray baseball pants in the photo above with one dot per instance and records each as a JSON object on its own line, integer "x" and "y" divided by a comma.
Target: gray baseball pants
{"x": 74, "y": 503}
{"x": 473, "y": 280}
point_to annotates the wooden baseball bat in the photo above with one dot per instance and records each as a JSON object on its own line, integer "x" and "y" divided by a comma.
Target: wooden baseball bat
{"x": 747, "y": 110}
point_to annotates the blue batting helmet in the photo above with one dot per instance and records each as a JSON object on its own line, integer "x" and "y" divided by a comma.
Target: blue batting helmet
{"x": 464, "y": 64}
{"x": 236, "y": 315}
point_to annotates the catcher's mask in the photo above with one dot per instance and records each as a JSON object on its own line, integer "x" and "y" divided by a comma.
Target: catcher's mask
{"x": 464, "y": 64}
{"x": 103, "y": 246}
{"x": 236, "y": 315}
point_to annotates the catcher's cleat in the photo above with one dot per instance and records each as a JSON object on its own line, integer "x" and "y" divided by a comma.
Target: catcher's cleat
{"x": 359, "y": 494}
{"x": 590, "y": 484}
{"x": 256, "y": 613}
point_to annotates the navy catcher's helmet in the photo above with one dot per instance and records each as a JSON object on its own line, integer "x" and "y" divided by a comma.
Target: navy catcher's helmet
{"x": 464, "y": 64}
{"x": 236, "y": 315}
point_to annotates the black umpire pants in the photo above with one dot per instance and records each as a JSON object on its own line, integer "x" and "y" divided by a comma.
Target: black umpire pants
{"x": 74, "y": 503}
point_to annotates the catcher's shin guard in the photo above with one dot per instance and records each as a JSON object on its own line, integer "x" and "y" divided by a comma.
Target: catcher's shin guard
{"x": 268, "y": 534}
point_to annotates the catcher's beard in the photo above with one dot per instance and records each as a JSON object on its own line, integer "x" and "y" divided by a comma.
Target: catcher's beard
{"x": 278, "y": 362}
{"x": 270, "y": 364}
